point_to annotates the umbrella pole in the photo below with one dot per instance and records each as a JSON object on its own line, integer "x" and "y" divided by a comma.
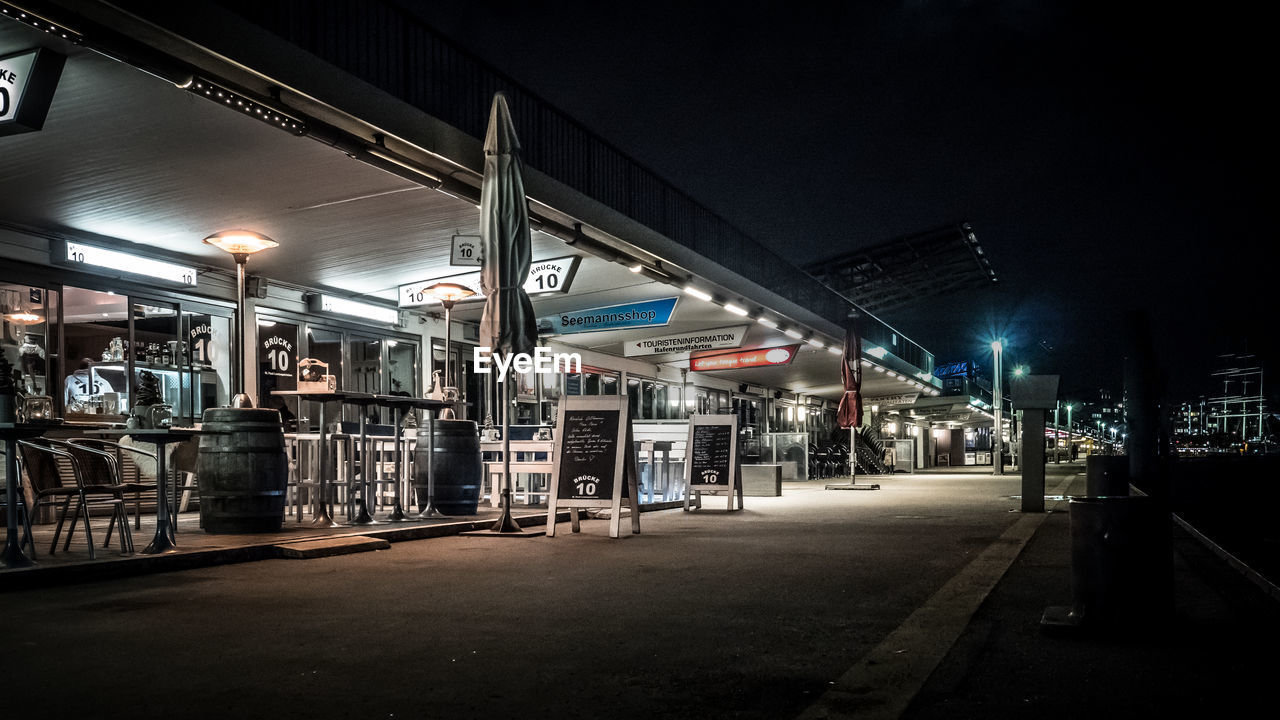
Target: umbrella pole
{"x": 853, "y": 453}
{"x": 505, "y": 523}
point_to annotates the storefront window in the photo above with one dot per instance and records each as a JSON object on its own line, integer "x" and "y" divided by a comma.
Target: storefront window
{"x": 277, "y": 366}
{"x": 402, "y": 366}
{"x": 97, "y": 344}
{"x": 326, "y": 346}
{"x": 633, "y": 397}
{"x": 365, "y": 365}
{"x": 29, "y": 318}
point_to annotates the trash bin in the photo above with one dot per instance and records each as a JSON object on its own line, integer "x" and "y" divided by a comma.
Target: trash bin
{"x": 1121, "y": 565}
{"x": 1106, "y": 475}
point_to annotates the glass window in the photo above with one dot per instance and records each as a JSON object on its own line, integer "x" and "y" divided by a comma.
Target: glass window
{"x": 662, "y": 410}
{"x": 158, "y": 354}
{"x": 96, "y": 337}
{"x": 364, "y": 363}
{"x": 277, "y": 365}
{"x": 30, "y": 315}
{"x": 326, "y": 346}
{"x": 402, "y": 366}
{"x": 609, "y": 383}
{"x": 633, "y": 397}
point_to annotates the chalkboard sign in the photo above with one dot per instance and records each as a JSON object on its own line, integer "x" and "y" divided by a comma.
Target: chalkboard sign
{"x": 712, "y": 459}
{"x": 712, "y": 455}
{"x": 594, "y": 461}
{"x": 588, "y": 454}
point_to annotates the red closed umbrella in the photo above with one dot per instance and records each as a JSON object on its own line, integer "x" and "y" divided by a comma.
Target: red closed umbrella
{"x": 850, "y": 413}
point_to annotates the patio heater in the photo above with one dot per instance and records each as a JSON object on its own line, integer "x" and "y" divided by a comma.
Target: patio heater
{"x": 448, "y": 294}
{"x": 241, "y": 244}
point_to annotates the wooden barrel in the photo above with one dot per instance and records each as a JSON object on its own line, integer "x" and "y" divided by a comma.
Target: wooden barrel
{"x": 243, "y": 471}
{"x": 456, "y": 466}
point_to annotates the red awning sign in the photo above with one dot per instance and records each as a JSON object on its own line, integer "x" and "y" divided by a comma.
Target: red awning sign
{"x": 760, "y": 357}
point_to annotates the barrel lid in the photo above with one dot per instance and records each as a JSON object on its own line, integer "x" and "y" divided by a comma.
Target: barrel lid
{"x": 242, "y": 415}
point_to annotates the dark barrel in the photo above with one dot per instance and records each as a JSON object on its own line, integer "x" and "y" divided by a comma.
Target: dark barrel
{"x": 456, "y": 467}
{"x": 243, "y": 471}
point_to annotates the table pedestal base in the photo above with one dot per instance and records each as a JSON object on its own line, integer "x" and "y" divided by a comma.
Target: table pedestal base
{"x": 362, "y": 514}
{"x": 430, "y": 512}
{"x": 13, "y": 557}
{"x": 160, "y": 545}
{"x": 397, "y": 514}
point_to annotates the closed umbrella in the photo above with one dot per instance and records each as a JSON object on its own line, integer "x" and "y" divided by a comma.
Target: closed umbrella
{"x": 849, "y": 415}
{"x": 508, "y": 323}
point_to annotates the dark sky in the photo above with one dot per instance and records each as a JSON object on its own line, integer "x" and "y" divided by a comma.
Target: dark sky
{"x": 1110, "y": 162}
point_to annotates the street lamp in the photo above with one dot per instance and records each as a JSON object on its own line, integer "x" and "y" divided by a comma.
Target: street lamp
{"x": 1020, "y": 371}
{"x": 448, "y": 294}
{"x": 1069, "y": 406}
{"x": 241, "y": 244}
{"x": 997, "y": 398}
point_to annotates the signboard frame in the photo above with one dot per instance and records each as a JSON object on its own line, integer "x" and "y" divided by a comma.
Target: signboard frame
{"x": 25, "y": 101}
{"x": 413, "y": 294}
{"x": 625, "y": 466}
{"x": 734, "y": 486}
{"x": 466, "y": 250}
{"x": 722, "y": 338}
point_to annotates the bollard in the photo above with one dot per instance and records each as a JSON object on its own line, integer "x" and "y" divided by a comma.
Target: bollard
{"x": 1106, "y": 475}
{"x": 1121, "y": 566}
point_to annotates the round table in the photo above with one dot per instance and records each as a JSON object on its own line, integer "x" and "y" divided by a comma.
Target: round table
{"x": 166, "y": 540}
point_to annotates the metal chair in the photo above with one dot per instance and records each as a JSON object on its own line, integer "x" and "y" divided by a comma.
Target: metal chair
{"x": 40, "y": 460}
{"x": 23, "y": 515}
{"x": 104, "y": 466}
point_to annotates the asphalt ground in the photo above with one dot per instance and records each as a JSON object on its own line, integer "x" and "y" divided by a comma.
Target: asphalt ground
{"x": 767, "y": 613}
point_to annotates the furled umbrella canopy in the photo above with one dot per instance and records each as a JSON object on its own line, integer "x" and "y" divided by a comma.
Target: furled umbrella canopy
{"x": 850, "y": 413}
{"x": 508, "y": 323}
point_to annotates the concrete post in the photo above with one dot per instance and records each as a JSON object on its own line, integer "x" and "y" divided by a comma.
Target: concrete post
{"x": 1032, "y": 461}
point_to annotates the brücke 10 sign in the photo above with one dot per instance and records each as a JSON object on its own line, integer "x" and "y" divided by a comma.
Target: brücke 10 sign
{"x": 27, "y": 82}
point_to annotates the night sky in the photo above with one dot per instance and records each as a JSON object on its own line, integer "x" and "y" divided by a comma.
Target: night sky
{"x": 1109, "y": 163}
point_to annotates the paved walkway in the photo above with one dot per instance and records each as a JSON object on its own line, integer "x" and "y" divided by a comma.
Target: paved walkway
{"x": 792, "y": 608}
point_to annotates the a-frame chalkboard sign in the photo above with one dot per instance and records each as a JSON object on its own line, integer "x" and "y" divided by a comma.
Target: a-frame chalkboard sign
{"x": 711, "y": 459}
{"x": 595, "y": 461}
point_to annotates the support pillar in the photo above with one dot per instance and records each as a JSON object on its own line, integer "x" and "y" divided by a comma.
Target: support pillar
{"x": 1032, "y": 461}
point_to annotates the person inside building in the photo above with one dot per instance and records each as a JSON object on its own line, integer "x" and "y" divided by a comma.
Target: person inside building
{"x": 83, "y": 384}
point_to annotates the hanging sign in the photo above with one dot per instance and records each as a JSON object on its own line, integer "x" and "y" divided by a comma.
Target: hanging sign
{"x": 728, "y": 337}
{"x": 27, "y": 82}
{"x": 466, "y": 250}
{"x": 545, "y": 276}
{"x": 648, "y": 313}
{"x": 889, "y": 401}
{"x": 712, "y": 459}
{"x": 760, "y": 357}
{"x": 595, "y": 461}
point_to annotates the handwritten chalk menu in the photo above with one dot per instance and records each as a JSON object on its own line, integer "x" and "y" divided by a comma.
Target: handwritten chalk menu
{"x": 594, "y": 461}
{"x": 712, "y": 453}
{"x": 711, "y": 459}
{"x": 589, "y": 451}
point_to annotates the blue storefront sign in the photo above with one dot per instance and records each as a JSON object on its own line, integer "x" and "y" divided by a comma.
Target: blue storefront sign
{"x": 648, "y": 313}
